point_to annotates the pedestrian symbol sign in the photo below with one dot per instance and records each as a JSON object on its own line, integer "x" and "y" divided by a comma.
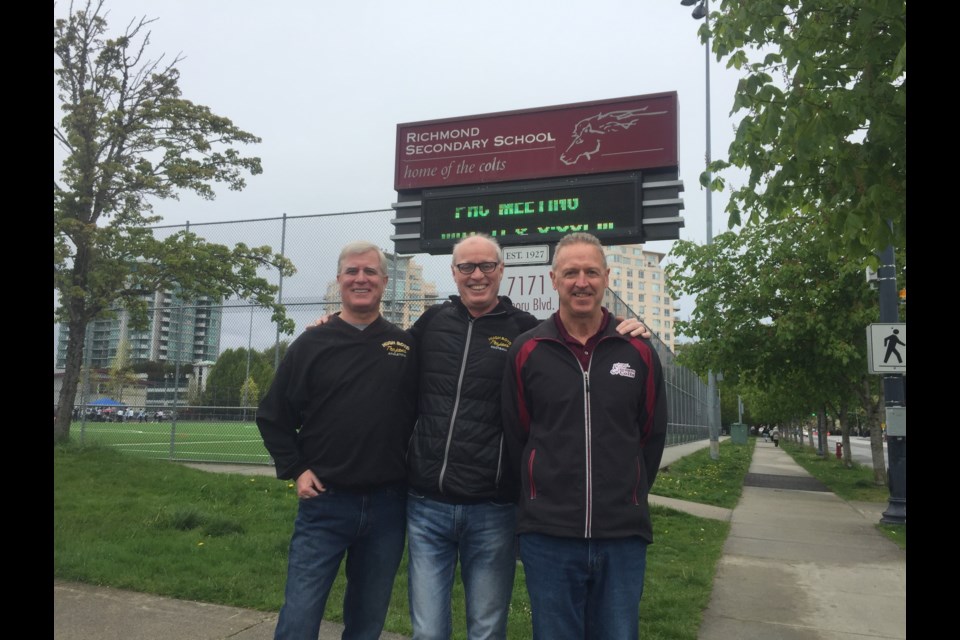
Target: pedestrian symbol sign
{"x": 887, "y": 348}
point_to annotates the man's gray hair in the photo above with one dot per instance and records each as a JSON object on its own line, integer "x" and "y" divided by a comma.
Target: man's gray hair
{"x": 492, "y": 241}
{"x": 578, "y": 237}
{"x": 359, "y": 247}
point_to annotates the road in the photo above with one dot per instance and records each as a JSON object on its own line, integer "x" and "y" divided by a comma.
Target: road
{"x": 859, "y": 449}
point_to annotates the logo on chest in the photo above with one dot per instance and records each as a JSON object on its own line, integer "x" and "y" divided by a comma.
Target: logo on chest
{"x": 623, "y": 369}
{"x": 499, "y": 343}
{"x": 396, "y": 348}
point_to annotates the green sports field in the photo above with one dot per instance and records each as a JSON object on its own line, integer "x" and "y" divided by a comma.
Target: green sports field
{"x": 197, "y": 441}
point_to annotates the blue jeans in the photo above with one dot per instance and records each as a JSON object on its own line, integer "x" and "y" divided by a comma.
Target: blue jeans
{"x": 484, "y": 536}
{"x": 584, "y": 588}
{"x": 368, "y": 528}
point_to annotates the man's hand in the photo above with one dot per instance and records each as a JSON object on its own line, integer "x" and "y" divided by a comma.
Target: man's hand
{"x": 309, "y": 486}
{"x": 634, "y": 327}
{"x": 321, "y": 320}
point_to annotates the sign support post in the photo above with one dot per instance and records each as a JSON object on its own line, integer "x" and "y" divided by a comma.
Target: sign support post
{"x": 895, "y": 400}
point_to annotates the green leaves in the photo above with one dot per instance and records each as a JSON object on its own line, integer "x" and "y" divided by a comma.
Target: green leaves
{"x": 776, "y": 308}
{"x": 129, "y": 139}
{"x": 824, "y": 125}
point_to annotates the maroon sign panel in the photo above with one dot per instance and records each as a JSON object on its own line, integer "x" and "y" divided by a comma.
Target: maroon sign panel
{"x": 622, "y": 134}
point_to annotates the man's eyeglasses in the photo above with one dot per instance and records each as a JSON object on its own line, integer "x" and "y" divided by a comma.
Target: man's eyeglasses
{"x": 466, "y": 268}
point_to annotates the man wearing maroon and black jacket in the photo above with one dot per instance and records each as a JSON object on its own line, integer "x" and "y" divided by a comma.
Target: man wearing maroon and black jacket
{"x": 585, "y": 420}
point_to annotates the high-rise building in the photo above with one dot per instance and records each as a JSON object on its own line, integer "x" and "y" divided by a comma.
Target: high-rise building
{"x": 637, "y": 278}
{"x": 177, "y": 331}
{"x": 406, "y": 295}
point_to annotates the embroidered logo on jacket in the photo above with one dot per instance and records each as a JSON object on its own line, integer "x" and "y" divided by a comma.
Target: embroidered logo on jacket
{"x": 499, "y": 343}
{"x": 395, "y": 348}
{"x": 623, "y": 369}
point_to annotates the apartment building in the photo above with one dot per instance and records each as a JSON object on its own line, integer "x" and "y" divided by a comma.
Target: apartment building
{"x": 636, "y": 277}
{"x": 177, "y": 330}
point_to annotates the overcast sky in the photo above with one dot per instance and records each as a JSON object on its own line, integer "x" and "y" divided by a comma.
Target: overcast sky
{"x": 325, "y": 83}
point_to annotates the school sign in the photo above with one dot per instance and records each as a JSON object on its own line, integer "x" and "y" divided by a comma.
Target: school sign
{"x": 608, "y": 167}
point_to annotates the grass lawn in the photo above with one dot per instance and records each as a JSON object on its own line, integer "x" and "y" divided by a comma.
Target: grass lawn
{"x": 184, "y": 440}
{"x": 149, "y": 525}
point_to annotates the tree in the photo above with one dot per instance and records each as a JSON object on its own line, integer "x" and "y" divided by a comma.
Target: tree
{"x": 249, "y": 393}
{"x": 121, "y": 372}
{"x": 777, "y": 313}
{"x": 274, "y": 353}
{"x": 129, "y": 138}
{"x": 227, "y": 377}
{"x": 824, "y": 131}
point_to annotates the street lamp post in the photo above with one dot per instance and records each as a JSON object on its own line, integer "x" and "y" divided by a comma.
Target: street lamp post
{"x": 895, "y": 400}
{"x": 702, "y": 11}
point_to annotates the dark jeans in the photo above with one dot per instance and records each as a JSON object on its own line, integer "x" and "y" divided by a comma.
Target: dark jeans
{"x": 584, "y": 588}
{"x": 369, "y": 528}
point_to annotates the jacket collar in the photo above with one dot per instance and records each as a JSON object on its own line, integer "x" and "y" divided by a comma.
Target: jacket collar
{"x": 504, "y": 306}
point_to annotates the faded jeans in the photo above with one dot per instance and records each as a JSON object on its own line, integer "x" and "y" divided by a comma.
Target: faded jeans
{"x": 483, "y": 537}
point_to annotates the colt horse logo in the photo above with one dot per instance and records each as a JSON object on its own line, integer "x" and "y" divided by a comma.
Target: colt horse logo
{"x": 588, "y": 132}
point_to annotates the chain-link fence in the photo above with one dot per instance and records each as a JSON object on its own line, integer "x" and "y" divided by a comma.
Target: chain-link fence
{"x": 201, "y": 405}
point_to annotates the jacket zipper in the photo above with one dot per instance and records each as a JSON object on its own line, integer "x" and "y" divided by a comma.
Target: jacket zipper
{"x": 588, "y": 452}
{"x": 456, "y": 405}
{"x": 456, "y": 401}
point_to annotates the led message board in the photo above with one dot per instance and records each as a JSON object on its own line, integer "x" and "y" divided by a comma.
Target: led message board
{"x": 537, "y": 211}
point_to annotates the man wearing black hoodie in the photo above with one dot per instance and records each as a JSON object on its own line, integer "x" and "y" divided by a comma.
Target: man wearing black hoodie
{"x": 336, "y": 420}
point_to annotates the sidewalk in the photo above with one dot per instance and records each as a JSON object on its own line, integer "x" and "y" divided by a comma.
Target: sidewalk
{"x": 799, "y": 563}
{"x": 802, "y": 564}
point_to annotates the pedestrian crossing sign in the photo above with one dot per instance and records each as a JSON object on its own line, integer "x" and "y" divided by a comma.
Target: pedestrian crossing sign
{"x": 887, "y": 348}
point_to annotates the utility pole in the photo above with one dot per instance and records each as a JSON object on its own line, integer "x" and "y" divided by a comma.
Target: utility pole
{"x": 702, "y": 11}
{"x": 894, "y": 399}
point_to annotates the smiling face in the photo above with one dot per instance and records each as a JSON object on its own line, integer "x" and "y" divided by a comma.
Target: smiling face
{"x": 361, "y": 286}
{"x": 580, "y": 277}
{"x": 478, "y": 290}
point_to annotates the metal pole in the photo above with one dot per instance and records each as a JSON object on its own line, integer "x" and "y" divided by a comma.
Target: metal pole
{"x": 894, "y": 400}
{"x": 393, "y": 291}
{"x": 711, "y": 378}
{"x": 176, "y": 380}
{"x": 276, "y": 341}
{"x": 702, "y": 10}
{"x": 246, "y": 387}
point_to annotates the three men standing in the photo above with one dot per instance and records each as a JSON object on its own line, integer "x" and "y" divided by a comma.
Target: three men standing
{"x": 585, "y": 419}
{"x": 339, "y": 419}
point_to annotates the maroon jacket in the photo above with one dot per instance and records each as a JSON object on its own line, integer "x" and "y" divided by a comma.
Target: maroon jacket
{"x": 587, "y": 444}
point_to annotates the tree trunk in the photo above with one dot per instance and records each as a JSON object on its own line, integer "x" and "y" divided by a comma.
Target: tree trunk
{"x": 76, "y": 338}
{"x": 872, "y": 406}
{"x": 845, "y": 436}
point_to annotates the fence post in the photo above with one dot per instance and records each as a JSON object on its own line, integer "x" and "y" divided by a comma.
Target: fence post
{"x": 283, "y": 246}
